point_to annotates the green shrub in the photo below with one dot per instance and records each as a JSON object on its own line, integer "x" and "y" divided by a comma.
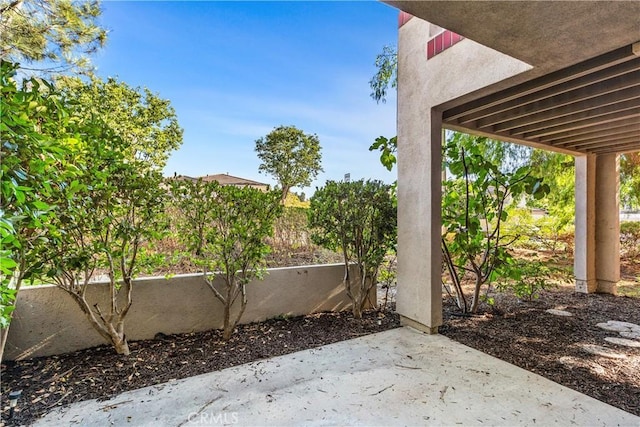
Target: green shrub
{"x": 226, "y": 229}
{"x": 359, "y": 220}
{"x": 528, "y": 279}
{"x": 630, "y": 238}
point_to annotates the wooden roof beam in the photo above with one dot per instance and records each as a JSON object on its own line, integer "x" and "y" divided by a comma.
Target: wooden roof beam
{"x": 619, "y": 149}
{"x": 577, "y": 83}
{"x": 608, "y": 114}
{"x": 613, "y": 136}
{"x": 584, "y": 105}
{"x": 624, "y": 82}
{"x": 617, "y": 56}
{"x": 597, "y": 129}
{"x": 630, "y": 139}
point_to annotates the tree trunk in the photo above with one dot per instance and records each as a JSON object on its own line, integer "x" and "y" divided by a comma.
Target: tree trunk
{"x": 121, "y": 345}
{"x": 285, "y": 193}
{"x": 227, "y": 329}
{"x": 4, "y": 333}
{"x": 461, "y": 301}
{"x": 357, "y": 310}
{"x": 476, "y": 294}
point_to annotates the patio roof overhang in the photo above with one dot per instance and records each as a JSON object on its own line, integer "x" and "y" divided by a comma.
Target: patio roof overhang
{"x": 582, "y": 94}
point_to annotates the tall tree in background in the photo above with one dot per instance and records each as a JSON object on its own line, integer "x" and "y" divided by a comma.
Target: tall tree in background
{"x": 630, "y": 180}
{"x": 291, "y": 156}
{"x": 60, "y": 34}
{"x": 145, "y": 121}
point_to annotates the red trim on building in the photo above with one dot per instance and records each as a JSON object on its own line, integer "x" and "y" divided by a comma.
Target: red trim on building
{"x": 403, "y": 18}
{"x": 439, "y": 45}
{"x": 431, "y": 48}
{"x": 442, "y": 42}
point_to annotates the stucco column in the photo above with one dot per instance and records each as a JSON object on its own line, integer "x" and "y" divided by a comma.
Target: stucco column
{"x": 597, "y": 224}
{"x": 607, "y": 228}
{"x": 584, "y": 267}
{"x": 419, "y": 297}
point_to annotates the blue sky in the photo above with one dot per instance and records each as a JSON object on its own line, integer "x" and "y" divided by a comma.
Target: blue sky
{"x": 235, "y": 70}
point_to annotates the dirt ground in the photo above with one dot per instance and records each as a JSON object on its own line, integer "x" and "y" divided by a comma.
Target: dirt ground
{"x": 522, "y": 333}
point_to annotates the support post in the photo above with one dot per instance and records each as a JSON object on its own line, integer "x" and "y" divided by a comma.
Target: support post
{"x": 597, "y": 224}
{"x": 584, "y": 267}
{"x": 607, "y": 228}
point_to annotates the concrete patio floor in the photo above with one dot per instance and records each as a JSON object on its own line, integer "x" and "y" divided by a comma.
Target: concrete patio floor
{"x": 396, "y": 377}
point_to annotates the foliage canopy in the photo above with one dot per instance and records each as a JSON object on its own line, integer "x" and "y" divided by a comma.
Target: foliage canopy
{"x": 36, "y": 128}
{"x": 291, "y": 156}
{"x": 104, "y": 216}
{"x": 146, "y": 122}
{"x": 61, "y": 33}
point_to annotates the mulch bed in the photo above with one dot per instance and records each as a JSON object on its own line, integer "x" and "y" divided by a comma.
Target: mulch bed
{"x": 521, "y": 333}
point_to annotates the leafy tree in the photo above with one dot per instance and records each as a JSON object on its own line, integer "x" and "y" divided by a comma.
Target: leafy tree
{"x": 75, "y": 197}
{"x": 225, "y": 228}
{"x": 103, "y": 218}
{"x": 35, "y": 128}
{"x": 473, "y": 212}
{"x": 291, "y": 156}
{"x": 358, "y": 219}
{"x": 630, "y": 180}
{"x": 559, "y": 170}
{"x": 474, "y": 209}
{"x": 62, "y": 33}
{"x": 146, "y": 122}
{"x": 387, "y": 74}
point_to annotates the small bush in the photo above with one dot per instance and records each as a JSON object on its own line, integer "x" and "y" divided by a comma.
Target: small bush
{"x": 630, "y": 238}
{"x": 530, "y": 278}
{"x": 358, "y": 219}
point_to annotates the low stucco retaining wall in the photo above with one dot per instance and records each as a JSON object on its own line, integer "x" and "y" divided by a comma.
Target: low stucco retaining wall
{"x": 48, "y": 321}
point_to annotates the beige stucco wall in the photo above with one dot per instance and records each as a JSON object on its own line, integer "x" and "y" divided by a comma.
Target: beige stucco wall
{"x": 423, "y": 86}
{"x": 48, "y": 321}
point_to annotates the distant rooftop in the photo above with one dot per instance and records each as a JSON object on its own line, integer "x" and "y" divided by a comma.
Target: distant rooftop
{"x": 224, "y": 179}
